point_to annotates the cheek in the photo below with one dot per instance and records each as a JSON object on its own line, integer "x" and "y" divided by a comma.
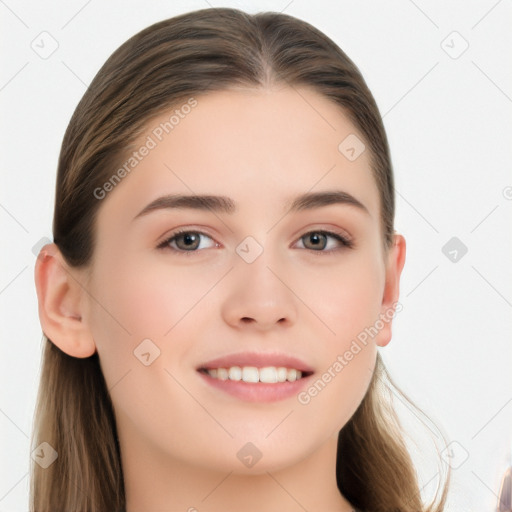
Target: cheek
{"x": 347, "y": 298}
{"x": 150, "y": 298}
{"x": 135, "y": 302}
{"x": 348, "y": 303}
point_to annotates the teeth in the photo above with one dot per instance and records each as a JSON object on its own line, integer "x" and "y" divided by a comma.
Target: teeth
{"x": 268, "y": 374}
{"x": 250, "y": 374}
{"x": 282, "y": 373}
{"x": 222, "y": 374}
{"x": 235, "y": 373}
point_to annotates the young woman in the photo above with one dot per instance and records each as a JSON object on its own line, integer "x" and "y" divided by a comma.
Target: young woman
{"x": 224, "y": 268}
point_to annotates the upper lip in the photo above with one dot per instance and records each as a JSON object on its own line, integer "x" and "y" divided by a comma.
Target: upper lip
{"x": 257, "y": 359}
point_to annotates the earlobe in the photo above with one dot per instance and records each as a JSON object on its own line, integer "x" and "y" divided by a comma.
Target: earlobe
{"x": 390, "y": 304}
{"x": 60, "y": 304}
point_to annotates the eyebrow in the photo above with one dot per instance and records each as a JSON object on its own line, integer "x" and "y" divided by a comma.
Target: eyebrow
{"x": 223, "y": 204}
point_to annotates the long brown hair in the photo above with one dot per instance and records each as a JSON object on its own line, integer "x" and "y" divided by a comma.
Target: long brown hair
{"x": 155, "y": 70}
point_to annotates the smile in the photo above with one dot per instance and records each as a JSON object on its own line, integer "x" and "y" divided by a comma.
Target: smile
{"x": 267, "y": 374}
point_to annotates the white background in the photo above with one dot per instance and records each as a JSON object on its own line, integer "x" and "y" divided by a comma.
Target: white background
{"x": 449, "y": 125}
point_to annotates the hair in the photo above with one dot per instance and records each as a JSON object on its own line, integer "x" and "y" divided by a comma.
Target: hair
{"x": 157, "y": 69}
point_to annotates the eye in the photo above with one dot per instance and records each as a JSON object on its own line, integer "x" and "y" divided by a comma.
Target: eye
{"x": 190, "y": 241}
{"x": 317, "y": 239}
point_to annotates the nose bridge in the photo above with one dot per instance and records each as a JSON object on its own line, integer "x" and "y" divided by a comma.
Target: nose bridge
{"x": 255, "y": 260}
{"x": 257, "y": 289}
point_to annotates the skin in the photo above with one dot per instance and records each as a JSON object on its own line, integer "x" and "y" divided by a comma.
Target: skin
{"x": 179, "y": 436}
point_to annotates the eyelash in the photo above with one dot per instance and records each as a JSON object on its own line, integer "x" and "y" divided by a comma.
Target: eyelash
{"x": 346, "y": 243}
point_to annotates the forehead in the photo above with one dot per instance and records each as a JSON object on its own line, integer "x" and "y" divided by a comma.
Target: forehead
{"x": 257, "y": 146}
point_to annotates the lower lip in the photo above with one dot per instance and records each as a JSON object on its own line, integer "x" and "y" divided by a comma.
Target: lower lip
{"x": 257, "y": 391}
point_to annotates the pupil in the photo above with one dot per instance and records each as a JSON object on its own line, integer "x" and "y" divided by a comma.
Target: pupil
{"x": 189, "y": 239}
{"x": 315, "y": 239}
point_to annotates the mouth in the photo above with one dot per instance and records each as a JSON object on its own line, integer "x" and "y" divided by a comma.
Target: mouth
{"x": 253, "y": 374}
{"x": 257, "y": 377}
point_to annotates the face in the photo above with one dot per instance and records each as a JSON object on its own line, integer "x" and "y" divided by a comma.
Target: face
{"x": 261, "y": 279}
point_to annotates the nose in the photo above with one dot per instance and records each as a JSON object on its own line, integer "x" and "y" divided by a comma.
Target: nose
{"x": 259, "y": 295}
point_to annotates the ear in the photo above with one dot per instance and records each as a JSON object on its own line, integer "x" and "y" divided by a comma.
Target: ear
{"x": 61, "y": 301}
{"x": 390, "y": 305}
